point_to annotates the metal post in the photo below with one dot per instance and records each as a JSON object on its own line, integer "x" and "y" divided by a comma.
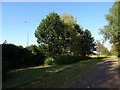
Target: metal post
{"x": 27, "y": 36}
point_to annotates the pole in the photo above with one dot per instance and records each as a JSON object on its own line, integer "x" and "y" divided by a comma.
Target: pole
{"x": 28, "y": 39}
{"x": 27, "y": 36}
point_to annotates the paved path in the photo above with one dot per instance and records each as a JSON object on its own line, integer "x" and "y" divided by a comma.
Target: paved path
{"x": 104, "y": 75}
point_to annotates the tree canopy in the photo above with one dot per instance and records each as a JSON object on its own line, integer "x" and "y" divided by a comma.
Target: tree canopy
{"x": 62, "y": 35}
{"x": 50, "y": 32}
{"x": 112, "y": 30}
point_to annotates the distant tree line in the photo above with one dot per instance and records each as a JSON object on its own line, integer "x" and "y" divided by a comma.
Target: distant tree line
{"x": 102, "y": 50}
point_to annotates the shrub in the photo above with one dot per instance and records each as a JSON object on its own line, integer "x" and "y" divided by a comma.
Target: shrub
{"x": 6, "y": 66}
{"x": 49, "y": 61}
{"x": 37, "y": 55}
{"x": 60, "y": 60}
{"x": 20, "y": 57}
{"x": 66, "y": 60}
{"x": 17, "y": 56}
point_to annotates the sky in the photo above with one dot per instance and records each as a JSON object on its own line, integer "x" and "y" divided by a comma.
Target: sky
{"x": 90, "y": 15}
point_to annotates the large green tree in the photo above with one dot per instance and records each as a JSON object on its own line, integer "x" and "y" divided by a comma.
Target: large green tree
{"x": 112, "y": 30}
{"x": 86, "y": 43}
{"x": 50, "y": 32}
{"x": 70, "y": 31}
{"x": 78, "y": 38}
{"x": 61, "y": 35}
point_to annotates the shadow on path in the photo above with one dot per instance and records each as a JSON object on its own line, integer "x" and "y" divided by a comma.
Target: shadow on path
{"x": 104, "y": 75}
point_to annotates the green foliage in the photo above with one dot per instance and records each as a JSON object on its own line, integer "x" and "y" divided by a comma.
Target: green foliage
{"x": 68, "y": 19}
{"x": 105, "y": 51}
{"x": 22, "y": 57}
{"x": 114, "y": 53}
{"x": 112, "y": 30}
{"x": 84, "y": 43}
{"x": 78, "y": 38}
{"x": 17, "y": 56}
{"x": 6, "y": 66}
{"x": 88, "y": 43}
{"x": 61, "y": 35}
{"x": 61, "y": 60}
{"x": 53, "y": 77}
{"x": 50, "y": 32}
{"x": 37, "y": 55}
{"x": 70, "y": 31}
{"x": 33, "y": 49}
{"x": 12, "y": 57}
{"x": 49, "y": 61}
{"x": 101, "y": 49}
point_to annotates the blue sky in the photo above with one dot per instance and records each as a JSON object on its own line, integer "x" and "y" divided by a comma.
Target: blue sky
{"x": 91, "y": 15}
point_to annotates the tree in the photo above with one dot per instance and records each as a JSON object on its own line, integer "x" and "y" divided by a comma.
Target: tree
{"x": 102, "y": 50}
{"x": 113, "y": 50}
{"x": 38, "y": 55}
{"x": 61, "y": 35}
{"x": 17, "y": 56}
{"x": 68, "y": 19}
{"x": 86, "y": 43}
{"x": 33, "y": 49}
{"x": 112, "y": 30}
{"x": 50, "y": 32}
{"x": 105, "y": 51}
{"x": 76, "y": 44}
{"x": 70, "y": 31}
{"x": 78, "y": 38}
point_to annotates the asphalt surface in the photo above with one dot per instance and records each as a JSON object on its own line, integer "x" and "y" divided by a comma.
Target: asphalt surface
{"x": 103, "y": 75}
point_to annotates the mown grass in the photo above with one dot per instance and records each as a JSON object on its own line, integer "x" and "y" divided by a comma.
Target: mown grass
{"x": 48, "y": 77}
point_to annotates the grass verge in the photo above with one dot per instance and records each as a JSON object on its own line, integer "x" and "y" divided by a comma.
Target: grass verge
{"x": 48, "y": 77}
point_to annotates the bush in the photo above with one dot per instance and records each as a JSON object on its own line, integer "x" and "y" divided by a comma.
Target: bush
{"x": 17, "y": 56}
{"x": 6, "y": 66}
{"x": 37, "y": 55}
{"x": 20, "y": 57}
{"x": 49, "y": 61}
{"x": 60, "y": 60}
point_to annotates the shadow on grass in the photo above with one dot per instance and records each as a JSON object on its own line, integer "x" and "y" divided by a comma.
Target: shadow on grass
{"x": 33, "y": 77}
{"x": 23, "y": 77}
